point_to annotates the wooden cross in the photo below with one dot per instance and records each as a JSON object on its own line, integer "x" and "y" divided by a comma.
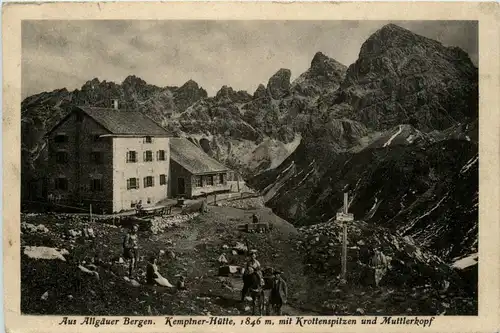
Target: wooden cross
{"x": 344, "y": 217}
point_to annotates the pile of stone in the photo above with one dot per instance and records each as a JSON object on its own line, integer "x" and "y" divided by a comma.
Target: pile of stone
{"x": 31, "y": 228}
{"x": 158, "y": 223}
{"x": 408, "y": 264}
{"x": 248, "y": 203}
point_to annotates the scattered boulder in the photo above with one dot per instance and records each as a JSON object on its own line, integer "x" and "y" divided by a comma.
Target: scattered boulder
{"x": 158, "y": 223}
{"x": 229, "y": 270}
{"x": 134, "y": 283}
{"x": 88, "y": 271}
{"x": 240, "y": 248}
{"x": 222, "y": 259}
{"x": 28, "y": 227}
{"x": 171, "y": 255}
{"x": 45, "y": 296}
{"x": 43, "y": 252}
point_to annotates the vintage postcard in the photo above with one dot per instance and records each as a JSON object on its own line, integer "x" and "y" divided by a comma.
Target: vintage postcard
{"x": 251, "y": 166}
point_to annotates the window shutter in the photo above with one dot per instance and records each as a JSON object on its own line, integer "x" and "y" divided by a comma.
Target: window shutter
{"x": 145, "y": 183}
{"x": 126, "y": 157}
{"x": 137, "y": 182}
{"x": 153, "y": 181}
{"x": 158, "y": 155}
{"x": 128, "y": 184}
{"x": 144, "y": 156}
{"x": 90, "y": 184}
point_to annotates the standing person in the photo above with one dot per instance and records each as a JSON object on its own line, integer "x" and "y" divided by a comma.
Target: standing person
{"x": 130, "y": 249}
{"x": 279, "y": 293}
{"x": 252, "y": 265}
{"x": 138, "y": 207}
{"x": 255, "y": 288}
{"x": 379, "y": 265}
{"x": 255, "y": 218}
{"x": 252, "y": 260}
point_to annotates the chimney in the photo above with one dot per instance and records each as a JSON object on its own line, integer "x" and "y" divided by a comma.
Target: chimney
{"x": 115, "y": 104}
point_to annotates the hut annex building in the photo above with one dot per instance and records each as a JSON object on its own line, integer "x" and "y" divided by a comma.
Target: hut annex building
{"x": 114, "y": 158}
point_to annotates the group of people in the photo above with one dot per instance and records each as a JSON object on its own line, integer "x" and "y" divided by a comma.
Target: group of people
{"x": 254, "y": 284}
{"x": 253, "y": 279}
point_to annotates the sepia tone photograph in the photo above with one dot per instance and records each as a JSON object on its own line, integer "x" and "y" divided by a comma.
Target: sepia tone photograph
{"x": 239, "y": 168}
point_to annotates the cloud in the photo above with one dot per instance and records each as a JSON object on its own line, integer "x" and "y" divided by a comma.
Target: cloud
{"x": 240, "y": 54}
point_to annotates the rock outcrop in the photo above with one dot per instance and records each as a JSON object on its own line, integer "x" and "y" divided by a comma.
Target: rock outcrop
{"x": 279, "y": 84}
{"x": 400, "y": 76}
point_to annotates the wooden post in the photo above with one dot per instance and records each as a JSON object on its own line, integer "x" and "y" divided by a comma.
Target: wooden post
{"x": 215, "y": 199}
{"x": 344, "y": 217}
{"x": 238, "y": 181}
{"x": 344, "y": 251}
{"x": 90, "y": 212}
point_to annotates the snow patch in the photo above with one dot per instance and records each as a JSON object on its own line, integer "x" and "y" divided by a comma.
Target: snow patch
{"x": 394, "y": 136}
{"x": 466, "y": 262}
{"x": 43, "y": 252}
{"x": 425, "y": 214}
{"x": 469, "y": 164}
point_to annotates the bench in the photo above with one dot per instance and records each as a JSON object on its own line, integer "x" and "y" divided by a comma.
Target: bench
{"x": 161, "y": 210}
{"x": 257, "y": 227}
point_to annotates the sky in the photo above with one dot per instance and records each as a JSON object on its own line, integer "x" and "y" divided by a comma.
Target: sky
{"x": 239, "y": 54}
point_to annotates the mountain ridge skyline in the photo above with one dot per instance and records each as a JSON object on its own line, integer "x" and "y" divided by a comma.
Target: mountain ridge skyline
{"x": 254, "y": 75}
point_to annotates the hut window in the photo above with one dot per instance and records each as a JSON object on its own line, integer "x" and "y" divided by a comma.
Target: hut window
{"x": 221, "y": 178}
{"x": 61, "y": 184}
{"x": 62, "y": 157}
{"x": 198, "y": 181}
{"x": 210, "y": 180}
{"x": 160, "y": 155}
{"x": 148, "y": 156}
{"x": 97, "y": 157}
{"x": 132, "y": 183}
{"x": 149, "y": 181}
{"x": 96, "y": 185}
{"x": 148, "y": 139}
{"x": 61, "y": 138}
{"x": 163, "y": 179}
{"x": 131, "y": 157}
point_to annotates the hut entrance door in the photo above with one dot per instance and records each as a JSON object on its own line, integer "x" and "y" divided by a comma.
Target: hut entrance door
{"x": 181, "y": 186}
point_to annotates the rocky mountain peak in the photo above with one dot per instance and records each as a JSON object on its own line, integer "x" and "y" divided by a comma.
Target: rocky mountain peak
{"x": 189, "y": 93}
{"x": 91, "y": 84}
{"x": 227, "y": 94}
{"x": 391, "y": 36}
{"x": 321, "y": 64}
{"x": 401, "y": 75}
{"x": 260, "y": 92}
{"x": 225, "y": 91}
{"x": 279, "y": 83}
{"x": 324, "y": 75}
{"x": 133, "y": 81}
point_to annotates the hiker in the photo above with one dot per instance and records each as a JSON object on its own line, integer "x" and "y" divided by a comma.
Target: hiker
{"x": 130, "y": 249}
{"x": 255, "y": 218}
{"x": 252, "y": 260}
{"x": 279, "y": 293}
{"x": 138, "y": 207}
{"x": 153, "y": 276}
{"x": 256, "y": 291}
{"x": 181, "y": 283}
{"x": 254, "y": 265}
{"x": 379, "y": 265}
{"x": 204, "y": 206}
